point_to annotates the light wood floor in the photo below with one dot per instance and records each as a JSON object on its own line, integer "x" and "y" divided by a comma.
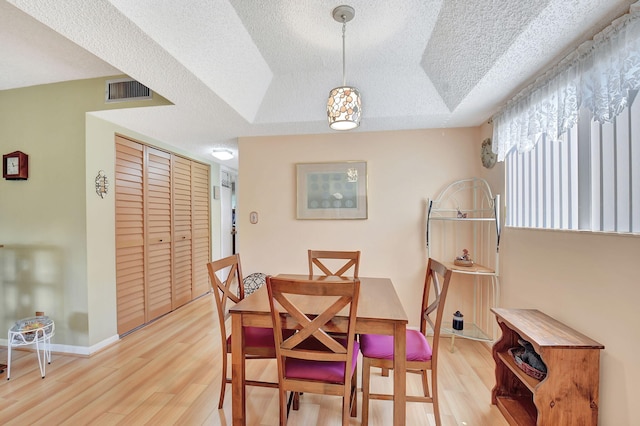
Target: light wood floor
{"x": 168, "y": 373}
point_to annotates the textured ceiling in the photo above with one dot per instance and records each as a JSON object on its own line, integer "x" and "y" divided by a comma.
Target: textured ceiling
{"x": 265, "y": 67}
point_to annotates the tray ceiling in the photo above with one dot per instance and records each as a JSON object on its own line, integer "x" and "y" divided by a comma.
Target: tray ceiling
{"x": 236, "y": 68}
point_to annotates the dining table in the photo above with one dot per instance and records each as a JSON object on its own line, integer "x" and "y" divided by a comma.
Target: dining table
{"x": 379, "y": 312}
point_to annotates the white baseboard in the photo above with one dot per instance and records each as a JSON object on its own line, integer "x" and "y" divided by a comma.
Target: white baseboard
{"x": 76, "y": 350}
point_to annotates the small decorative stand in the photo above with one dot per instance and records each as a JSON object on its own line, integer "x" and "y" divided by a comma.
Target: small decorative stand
{"x": 35, "y": 330}
{"x": 467, "y": 214}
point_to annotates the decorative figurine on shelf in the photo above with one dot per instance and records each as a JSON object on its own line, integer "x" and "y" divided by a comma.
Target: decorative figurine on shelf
{"x": 458, "y": 322}
{"x": 461, "y": 215}
{"x": 464, "y": 260}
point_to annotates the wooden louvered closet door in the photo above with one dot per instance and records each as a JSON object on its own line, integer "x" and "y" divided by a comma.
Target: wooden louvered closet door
{"x": 130, "y": 277}
{"x": 158, "y": 227}
{"x": 162, "y": 232}
{"x": 201, "y": 231}
{"x": 182, "y": 250}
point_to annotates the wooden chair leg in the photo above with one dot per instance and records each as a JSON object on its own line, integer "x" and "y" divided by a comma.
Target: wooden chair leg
{"x": 434, "y": 393}
{"x": 346, "y": 411}
{"x": 425, "y": 383}
{"x": 353, "y": 394}
{"x": 366, "y": 372}
{"x": 296, "y": 401}
{"x": 283, "y": 407}
{"x": 224, "y": 381}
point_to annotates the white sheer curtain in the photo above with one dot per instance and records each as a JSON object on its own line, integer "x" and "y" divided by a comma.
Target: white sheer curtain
{"x": 597, "y": 76}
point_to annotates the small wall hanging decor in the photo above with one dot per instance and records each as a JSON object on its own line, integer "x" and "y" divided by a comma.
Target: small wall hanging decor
{"x": 102, "y": 184}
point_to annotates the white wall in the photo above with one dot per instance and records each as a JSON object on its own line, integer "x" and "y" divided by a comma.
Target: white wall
{"x": 226, "y": 222}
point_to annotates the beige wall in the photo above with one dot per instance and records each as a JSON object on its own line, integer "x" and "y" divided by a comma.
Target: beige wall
{"x": 404, "y": 169}
{"x": 588, "y": 281}
{"x": 58, "y": 254}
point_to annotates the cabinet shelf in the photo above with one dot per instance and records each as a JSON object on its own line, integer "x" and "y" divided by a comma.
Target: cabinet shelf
{"x": 463, "y": 219}
{"x": 476, "y": 268}
{"x": 517, "y": 410}
{"x": 471, "y": 331}
{"x": 528, "y": 381}
{"x": 569, "y": 392}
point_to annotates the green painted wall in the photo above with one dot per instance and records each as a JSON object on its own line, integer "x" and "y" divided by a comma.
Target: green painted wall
{"x": 43, "y": 220}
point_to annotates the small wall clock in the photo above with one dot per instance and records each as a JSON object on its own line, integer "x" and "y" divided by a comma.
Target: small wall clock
{"x": 15, "y": 166}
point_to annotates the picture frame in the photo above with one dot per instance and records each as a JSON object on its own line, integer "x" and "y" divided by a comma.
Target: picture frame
{"x": 336, "y": 190}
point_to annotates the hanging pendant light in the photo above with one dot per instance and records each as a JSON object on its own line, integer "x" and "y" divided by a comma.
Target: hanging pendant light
{"x": 344, "y": 105}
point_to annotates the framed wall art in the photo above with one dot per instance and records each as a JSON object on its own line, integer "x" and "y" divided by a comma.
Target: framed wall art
{"x": 332, "y": 190}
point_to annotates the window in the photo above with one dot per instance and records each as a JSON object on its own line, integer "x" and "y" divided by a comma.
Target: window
{"x": 588, "y": 180}
{"x": 572, "y": 138}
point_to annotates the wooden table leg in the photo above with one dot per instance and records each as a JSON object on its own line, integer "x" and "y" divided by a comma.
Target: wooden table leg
{"x": 400, "y": 374}
{"x": 237, "y": 371}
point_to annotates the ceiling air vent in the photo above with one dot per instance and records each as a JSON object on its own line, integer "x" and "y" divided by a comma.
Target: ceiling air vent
{"x": 126, "y": 89}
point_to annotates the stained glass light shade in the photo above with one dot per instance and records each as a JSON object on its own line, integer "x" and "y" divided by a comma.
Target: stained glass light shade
{"x": 344, "y": 108}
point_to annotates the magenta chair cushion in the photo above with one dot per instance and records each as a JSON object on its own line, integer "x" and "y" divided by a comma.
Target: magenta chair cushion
{"x": 325, "y": 371}
{"x": 381, "y": 346}
{"x": 258, "y": 337}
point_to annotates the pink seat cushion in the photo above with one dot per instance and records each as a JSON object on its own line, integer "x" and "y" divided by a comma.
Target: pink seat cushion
{"x": 325, "y": 371}
{"x": 259, "y": 337}
{"x": 381, "y": 346}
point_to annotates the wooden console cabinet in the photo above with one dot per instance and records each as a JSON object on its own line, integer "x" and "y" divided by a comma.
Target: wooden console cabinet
{"x": 568, "y": 395}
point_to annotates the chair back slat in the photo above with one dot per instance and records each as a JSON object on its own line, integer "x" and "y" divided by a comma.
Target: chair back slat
{"x": 437, "y": 279}
{"x": 323, "y": 260}
{"x": 313, "y": 304}
{"x": 226, "y": 275}
{"x": 313, "y": 327}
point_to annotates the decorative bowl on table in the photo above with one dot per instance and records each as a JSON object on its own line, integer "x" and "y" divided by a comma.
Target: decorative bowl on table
{"x": 28, "y": 326}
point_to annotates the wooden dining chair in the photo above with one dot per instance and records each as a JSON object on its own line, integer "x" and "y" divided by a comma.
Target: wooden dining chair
{"x": 339, "y": 261}
{"x": 377, "y": 350}
{"x": 259, "y": 342}
{"x": 312, "y": 360}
